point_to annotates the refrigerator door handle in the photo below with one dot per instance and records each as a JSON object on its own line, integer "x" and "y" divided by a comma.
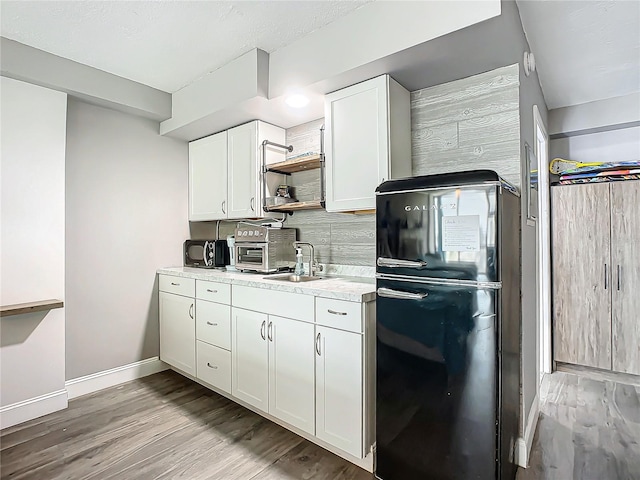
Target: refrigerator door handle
{"x": 389, "y": 293}
{"x": 396, "y": 263}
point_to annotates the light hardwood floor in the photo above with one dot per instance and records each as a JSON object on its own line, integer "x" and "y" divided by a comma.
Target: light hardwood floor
{"x": 589, "y": 429}
{"x": 160, "y": 427}
{"x": 164, "y": 426}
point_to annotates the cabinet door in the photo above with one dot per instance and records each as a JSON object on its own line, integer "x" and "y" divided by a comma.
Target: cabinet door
{"x": 339, "y": 410}
{"x": 291, "y": 372}
{"x": 625, "y": 261}
{"x": 250, "y": 356}
{"x": 581, "y": 275}
{"x": 357, "y": 153}
{"x": 243, "y": 169}
{"x": 208, "y": 178}
{"x": 178, "y": 332}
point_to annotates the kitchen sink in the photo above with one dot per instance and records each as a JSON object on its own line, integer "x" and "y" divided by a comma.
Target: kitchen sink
{"x": 290, "y": 277}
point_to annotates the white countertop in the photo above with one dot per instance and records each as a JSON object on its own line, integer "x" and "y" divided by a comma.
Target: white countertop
{"x": 354, "y": 289}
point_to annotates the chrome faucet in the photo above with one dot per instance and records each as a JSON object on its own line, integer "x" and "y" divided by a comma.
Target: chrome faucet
{"x": 314, "y": 266}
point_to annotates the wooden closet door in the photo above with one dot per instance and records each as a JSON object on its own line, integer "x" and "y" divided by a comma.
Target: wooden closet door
{"x": 581, "y": 274}
{"x": 625, "y": 260}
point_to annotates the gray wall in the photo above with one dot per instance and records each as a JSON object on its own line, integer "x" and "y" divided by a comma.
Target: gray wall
{"x": 126, "y": 210}
{"x": 530, "y": 95}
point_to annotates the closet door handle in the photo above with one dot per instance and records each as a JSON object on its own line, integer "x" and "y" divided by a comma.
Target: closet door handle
{"x": 252, "y": 204}
{"x": 619, "y": 270}
{"x": 224, "y": 203}
{"x": 264, "y": 323}
{"x": 605, "y": 276}
{"x": 270, "y": 332}
{"x": 318, "y": 344}
{"x": 191, "y": 311}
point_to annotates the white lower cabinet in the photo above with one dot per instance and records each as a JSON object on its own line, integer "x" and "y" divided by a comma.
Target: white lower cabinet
{"x": 214, "y": 366}
{"x": 273, "y": 366}
{"x": 250, "y": 358}
{"x": 178, "y": 332}
{"x": 339, "y": 381}
{"x": 311, "y": 368}
{"x": 291, "y": 372}
{"x": 213, "y": 323}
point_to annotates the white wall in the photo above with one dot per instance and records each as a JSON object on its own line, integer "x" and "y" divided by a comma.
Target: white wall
{"x": 609, "y": 146}
{"x": 32, "y": 248}
{"x": 38, "y": 67}
{"x": 126, "y": 209}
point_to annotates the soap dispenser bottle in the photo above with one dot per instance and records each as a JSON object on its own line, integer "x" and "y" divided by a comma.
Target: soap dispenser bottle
{"x": 299, "y": 270}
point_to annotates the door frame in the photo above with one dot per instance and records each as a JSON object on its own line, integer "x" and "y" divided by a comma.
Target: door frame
{"x": 544, "y": 325}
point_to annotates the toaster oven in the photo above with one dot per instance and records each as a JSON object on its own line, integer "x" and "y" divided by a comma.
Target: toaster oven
{"x": 264, "y": 249}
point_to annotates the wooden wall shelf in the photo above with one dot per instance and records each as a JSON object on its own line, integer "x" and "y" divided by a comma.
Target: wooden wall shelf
{"x": 307, "y": 162}
{"x": 30, "y": 307}
{"x": 295, "y": 206}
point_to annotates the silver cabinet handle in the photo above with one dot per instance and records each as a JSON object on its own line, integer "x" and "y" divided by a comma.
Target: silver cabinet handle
{"x": 397, "y": 263}
{"x": 212, "y": 324}
{"x": 212, "y": 291}
{"x": 389, "y": 293}
{"x": 605, "y": 276}
{"x": 619, "y": 270}
{"x": 270, "y": 332}
{"x": 318, "y": 344}
{"x": 333, "y": 312}
{"x": 252, "y": 204}
{"x": 264, "y": 323}
{"x": 191, "y": 310}
{"x": 224, "y": 202}
{"x": 176, "y": 284}
{"x": 215, "y": 367}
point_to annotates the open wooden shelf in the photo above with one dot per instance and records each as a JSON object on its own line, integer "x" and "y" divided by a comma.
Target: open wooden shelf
{"x": 30, "y": 307}
{"x": 295, "y": 206}
{"x": 307, "y": 162}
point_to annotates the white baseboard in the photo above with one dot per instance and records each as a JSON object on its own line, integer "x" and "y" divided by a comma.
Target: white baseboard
{"x": 32, "y": 408}
{"x": 115, "y": 376}
{"x": 523, "y": 447}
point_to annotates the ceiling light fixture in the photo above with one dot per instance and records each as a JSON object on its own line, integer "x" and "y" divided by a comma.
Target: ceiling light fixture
{"x": 297, "y": 101}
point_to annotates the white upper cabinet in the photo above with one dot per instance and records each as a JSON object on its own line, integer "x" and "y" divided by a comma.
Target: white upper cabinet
{"x": 368, "y": 141}
{"x": 208, "y": 178}
{"x": 243, "y": 171}
{"x": 225, "y": 172}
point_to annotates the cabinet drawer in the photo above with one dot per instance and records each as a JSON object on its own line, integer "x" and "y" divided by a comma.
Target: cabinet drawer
{"x": 214, "y": 366}
{"x": 213, "y": 291}
{"x": 273, "y": 302}
{"x": 178, "y": 285}
{"x": 213, "y": 323}
{"x": 339, "y": 314}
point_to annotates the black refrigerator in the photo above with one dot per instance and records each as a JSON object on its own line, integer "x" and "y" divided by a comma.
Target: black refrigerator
{"x": 447, "y": 327}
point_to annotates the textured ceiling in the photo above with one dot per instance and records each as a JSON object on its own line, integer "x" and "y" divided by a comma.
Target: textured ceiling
{"x": 584, "y": 50}
{"x": 163, "y": 44}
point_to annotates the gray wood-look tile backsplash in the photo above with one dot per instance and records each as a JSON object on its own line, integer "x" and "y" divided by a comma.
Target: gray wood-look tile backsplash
{"x": 469, "y": 124}
{"x": 472, "y": 123}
